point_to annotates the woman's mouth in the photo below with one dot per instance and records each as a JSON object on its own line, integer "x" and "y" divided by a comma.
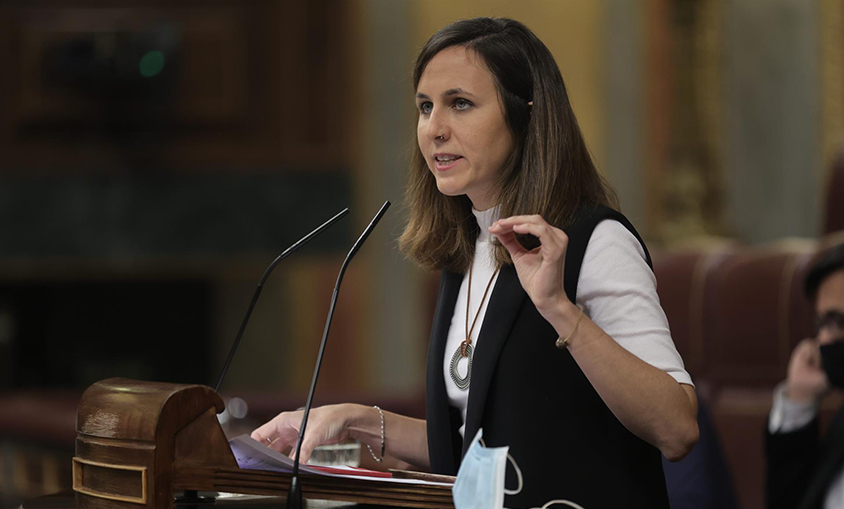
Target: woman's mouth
{"x": 446, "y": 161}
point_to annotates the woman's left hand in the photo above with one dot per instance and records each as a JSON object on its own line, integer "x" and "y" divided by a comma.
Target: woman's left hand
{"x": 541, "y": 269}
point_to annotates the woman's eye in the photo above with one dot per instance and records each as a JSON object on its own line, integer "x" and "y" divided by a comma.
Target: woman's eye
{"x": 462, "y": 104}
{"x": 425, "y": 107}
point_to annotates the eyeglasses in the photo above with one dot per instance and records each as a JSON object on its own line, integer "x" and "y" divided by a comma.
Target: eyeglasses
{"x": 831, "y": 322}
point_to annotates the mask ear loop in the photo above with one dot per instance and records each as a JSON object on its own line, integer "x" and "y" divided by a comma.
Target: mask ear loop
{"x": 518, "y": 476}
{"x": 564, "y": 502}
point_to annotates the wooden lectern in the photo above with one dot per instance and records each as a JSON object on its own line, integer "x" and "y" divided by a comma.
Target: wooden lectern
{"x": 139, "y": 442}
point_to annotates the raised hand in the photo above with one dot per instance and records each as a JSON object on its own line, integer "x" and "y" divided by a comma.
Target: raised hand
{"x": 806, "y": 381}
{"x": 541, "y": 269}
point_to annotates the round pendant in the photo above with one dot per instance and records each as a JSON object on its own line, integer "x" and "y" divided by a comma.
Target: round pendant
{"x": 461, "y": 383}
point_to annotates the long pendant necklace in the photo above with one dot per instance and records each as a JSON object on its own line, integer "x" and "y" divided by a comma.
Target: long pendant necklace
{"x": 465, "y": 348}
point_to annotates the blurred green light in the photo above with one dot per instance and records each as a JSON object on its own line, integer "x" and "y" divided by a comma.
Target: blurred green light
{"x": 152, "y": 63}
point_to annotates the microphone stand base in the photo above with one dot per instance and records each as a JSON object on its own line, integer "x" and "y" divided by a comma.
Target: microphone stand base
{"x": 191, "y": 498}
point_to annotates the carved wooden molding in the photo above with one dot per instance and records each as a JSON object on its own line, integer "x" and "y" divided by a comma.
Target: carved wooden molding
{"x": 82, "y": 466}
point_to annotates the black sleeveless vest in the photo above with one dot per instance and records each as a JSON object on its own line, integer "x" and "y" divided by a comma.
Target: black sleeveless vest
{"x": 531, "y": 396}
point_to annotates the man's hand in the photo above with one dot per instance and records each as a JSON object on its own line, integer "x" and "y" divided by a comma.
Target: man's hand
{"x": 807, "y": 381}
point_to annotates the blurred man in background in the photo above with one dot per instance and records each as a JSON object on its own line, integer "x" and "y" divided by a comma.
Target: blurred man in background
{"x": 805, "y": 470}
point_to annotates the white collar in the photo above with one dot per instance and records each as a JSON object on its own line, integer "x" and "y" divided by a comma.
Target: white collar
{"x": 485, "y": 218}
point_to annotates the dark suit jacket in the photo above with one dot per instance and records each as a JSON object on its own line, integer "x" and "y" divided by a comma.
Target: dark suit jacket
{"x": 701, "y": 480}
{"x": 800, "y": 466}
{"x": 531, "y": 396}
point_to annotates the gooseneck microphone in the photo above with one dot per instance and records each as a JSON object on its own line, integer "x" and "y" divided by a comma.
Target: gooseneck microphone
{"x": 294, "y": 496}
{"x": 287, "y": 252}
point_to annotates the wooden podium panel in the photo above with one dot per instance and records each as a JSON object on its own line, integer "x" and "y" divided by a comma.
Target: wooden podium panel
{"x": 65, "y": 500}
{"x": 138, "y": 443}
{"x": 363, "y": 491}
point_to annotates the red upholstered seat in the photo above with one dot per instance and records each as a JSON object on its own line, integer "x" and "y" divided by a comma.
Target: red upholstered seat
{"x": 683, "y": 279}
{"x": 750, "y": 316}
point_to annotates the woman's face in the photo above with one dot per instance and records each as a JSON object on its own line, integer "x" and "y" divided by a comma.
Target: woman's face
{"x": 461, "y": 130}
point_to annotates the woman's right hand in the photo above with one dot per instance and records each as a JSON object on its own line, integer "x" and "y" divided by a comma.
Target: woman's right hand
{"x": 326, "y": 425}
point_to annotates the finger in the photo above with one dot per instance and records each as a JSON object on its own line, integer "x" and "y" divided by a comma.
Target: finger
{"x": 532, "y": 218}
{"x": 304, "y": 452}
{"x": 278, "y": 433}
{"x": 286, "y": 450}
{"x": 803, "y": 357}
{"x": 813, "y": 355}
{"x": 511, "y": 243}
{"x": 536, "y": 225}
{"x": 801, "y": 349}
{"x": 806, "y": 348}
{"x": 552, "y": 240}
{"x": 263, "y": 440}
{"x": 506, "y": 224}
{"x": 540, "y": 231}
{"x": 314, "y": 436}
{"x": 264, "y": 432}
{"x": 281, "y": 444}
{"x": 500, "y": 228}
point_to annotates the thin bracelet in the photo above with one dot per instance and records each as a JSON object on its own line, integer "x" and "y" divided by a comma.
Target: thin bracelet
{"x": 376, "y": 458}
{"x": 564, "y": 343}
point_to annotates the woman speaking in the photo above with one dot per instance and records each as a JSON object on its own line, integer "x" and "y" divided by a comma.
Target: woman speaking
{"x": 548, "y": 333}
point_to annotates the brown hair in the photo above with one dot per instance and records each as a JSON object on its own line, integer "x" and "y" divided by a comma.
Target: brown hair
{"x": 550, "y": 171}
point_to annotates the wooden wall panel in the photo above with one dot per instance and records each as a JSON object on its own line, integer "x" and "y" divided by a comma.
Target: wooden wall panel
{"x": 252, "y": 83}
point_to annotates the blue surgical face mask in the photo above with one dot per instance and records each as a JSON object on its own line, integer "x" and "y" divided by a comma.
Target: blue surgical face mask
{"x": 832, "y": 360}
{"x": 480, "y": 480}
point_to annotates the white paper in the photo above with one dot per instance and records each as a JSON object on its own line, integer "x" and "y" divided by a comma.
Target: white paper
{"x": 253, "y": 455}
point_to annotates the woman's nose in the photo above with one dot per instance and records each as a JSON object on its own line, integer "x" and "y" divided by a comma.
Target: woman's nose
{"x": 437, "y": 128}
